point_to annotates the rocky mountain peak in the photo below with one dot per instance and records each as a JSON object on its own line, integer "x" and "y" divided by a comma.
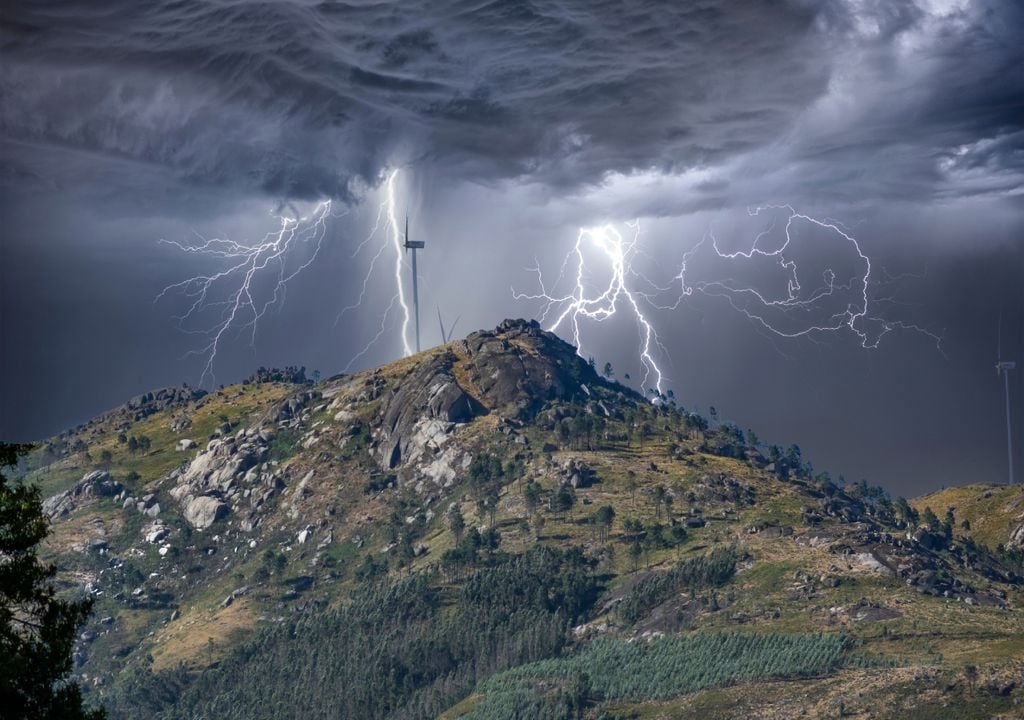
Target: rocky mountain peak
{"x": 518, "y": 367}
{"x": 512, "y": 371}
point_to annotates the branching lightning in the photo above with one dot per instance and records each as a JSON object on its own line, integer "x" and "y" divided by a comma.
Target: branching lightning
{"x": 835, "y": 303}
{"x": 236, "y": 297}
{"x": 386, "y": 212}
{"x": 232, "y": 293}
{"x": 795, "y": 308}
{"x": 397, "y": 237}
{"x": 578, "y": 304}
{"x": 604, "y": 283}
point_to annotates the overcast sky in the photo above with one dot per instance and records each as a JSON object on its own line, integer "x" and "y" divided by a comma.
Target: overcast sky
{"x": 512, "y": 125}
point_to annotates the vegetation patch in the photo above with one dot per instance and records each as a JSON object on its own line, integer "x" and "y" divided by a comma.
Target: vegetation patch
{"x": 613, "y": 669}
{"x": 408, "y": 648}
{"x": 710, "y": 570}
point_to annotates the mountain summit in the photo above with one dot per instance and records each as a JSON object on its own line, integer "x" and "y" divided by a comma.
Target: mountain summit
{"x": 491, "y": 529}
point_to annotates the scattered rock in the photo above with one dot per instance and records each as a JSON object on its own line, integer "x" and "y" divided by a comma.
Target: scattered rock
{"x": 577, "y": 473}
{"x": 155, "y": 533}
{"x": 93, "y": 485}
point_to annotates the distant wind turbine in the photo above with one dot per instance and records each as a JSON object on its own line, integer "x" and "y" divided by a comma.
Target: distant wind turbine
{"x": 446, "y": 337}
{"x": 1004, "y": 367}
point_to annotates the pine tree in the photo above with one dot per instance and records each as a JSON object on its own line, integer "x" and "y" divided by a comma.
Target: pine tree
{"x": 37, "y": 629}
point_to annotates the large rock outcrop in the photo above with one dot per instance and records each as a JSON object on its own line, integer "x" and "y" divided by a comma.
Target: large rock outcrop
{"x": 1017, "y": 536}
{"x": 518, "y": 367}
{"x": 422, "y": 410}
{"x": 146, "y": 404}
{"x": 513, "y": 371}
{"x": 203, "y": 511}
{"x": 92, "y": 486}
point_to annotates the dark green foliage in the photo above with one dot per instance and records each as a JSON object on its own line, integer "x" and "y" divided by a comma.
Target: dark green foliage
{"x": 457, "y": 524}
{"x": 403, "y": 649}
{"x": 371, "y": 569}
{"x": 654, "y": 536}
{"x": 563, "y": 500}
{"x": 710, "y": 570}
{"x": 603, "y": 518}
{"x": 290, "y": 374}
{"x": 142, "y": 442}
{"x": 485, "y": 469}
{"x": 612, "y": 669}
{"x": 378, "y": 483}
{"x": 929, "y": 520}
{"x": 284, "y": 444}
{"x": 728, "y": 441}
{"x": 37, "y": 629}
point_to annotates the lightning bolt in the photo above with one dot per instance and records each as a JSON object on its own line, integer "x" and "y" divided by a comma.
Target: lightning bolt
{"x": 603, "y": 303}
{"x": 233, "y": 297}
{"x": 789, "y": 313}
{"x": 230, "y": 295}
{"x": 397, "y": 238}
{"x": 386, "y": 212}
{"x": 797, "y": 309}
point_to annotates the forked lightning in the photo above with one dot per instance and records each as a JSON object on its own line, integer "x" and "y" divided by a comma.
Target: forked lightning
{"x": 834, "y": 305}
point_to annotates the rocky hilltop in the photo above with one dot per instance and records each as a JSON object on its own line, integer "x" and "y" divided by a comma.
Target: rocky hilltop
{"x": 491, "y": 529}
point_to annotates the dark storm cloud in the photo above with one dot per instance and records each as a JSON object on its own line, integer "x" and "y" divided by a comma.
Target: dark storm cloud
{"x": 303, "y": 99}
{"x": 923, "y": 102}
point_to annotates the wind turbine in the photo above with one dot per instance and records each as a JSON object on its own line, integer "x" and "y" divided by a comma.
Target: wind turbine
{"x": 414, "y": 245}
{"x": 446, "y": 337}
{"x": 1004, "y": 367}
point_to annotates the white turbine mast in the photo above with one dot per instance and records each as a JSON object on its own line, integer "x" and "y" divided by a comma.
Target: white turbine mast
{"x": 1004, "y": 367}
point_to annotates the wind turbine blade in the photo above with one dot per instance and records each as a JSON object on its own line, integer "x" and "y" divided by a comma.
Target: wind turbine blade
{"x": 451, "y": 330}
{"x": 999, "y": 343}
{"x": 999, "y": 337}
{"x": 444, "y": 338}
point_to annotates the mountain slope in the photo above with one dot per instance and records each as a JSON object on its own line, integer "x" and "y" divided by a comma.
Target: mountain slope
{"x": 994, "y": 513}
{"x": 489, "y": 529}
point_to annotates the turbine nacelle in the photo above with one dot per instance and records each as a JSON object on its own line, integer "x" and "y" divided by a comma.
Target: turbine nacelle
{"x": 411, "y": 244}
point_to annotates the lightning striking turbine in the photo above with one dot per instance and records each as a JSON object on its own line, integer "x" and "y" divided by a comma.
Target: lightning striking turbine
{"x": 234, "y": 290}
{"x": 236, "y": 296}
{"x": 836, "y": 303}
{"x": 396, "y": 241}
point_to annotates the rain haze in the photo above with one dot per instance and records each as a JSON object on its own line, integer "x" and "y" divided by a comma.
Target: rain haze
{"x": 886, "y": 137}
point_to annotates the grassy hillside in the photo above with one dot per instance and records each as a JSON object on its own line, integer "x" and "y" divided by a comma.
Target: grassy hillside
{"x": 489, "y": 529}
{"x": 992, "y": 512}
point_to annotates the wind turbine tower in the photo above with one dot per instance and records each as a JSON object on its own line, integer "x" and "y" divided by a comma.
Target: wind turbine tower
{"x": 1004, "y": 367}
{"x": 414, "y": 245}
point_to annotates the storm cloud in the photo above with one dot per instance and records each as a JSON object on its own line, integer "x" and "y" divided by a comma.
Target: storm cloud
{"x": 304, "y": 99}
